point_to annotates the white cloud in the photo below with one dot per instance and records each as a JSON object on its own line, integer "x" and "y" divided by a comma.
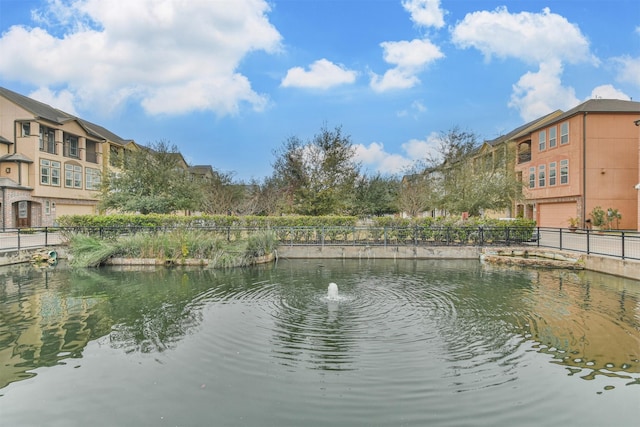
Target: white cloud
{"x": 393, "y": 79}
{"x": 539, "y": 93}
{"x": 62, "y": 100}
{"x": 322, "y": 74}
{"x": 374, "y": 156}
{"x": 426, "y": 13}
{"x": 409, "y": 58}
{"x": 608, "y": 92}
{"x": 629, "y": 69}
{"x": 418, "y": 149}
{"x": 530, "y": 37}
{"x": 545, "y": 39}
{"x": 415, "y": 110}
{"x": 173, "y": 56}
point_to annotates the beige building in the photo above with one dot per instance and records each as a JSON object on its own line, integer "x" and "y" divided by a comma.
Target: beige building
{"x": 581, "y": 159}
{"x": 51, "y": 162}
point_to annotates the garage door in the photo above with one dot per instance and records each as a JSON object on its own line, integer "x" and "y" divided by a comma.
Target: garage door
{"x": 556, "y": 214}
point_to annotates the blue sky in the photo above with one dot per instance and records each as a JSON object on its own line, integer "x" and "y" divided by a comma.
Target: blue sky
{"x": 228, "y": 81}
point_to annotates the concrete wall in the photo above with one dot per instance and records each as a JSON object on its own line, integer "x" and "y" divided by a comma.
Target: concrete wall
{"x": 617, "y": 267}
{"x": 379, "y": 252}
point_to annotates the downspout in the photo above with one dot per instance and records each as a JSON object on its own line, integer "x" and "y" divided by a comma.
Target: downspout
{"x": 15, "y": 136}
{"x": 584, "y": 168}
{"x": 4, "y": 208}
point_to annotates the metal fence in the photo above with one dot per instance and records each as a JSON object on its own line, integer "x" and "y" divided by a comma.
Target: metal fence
{"x": 620, "y": 244}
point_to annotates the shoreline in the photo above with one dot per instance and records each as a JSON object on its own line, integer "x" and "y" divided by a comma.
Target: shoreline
{"x": 525, "y": 256}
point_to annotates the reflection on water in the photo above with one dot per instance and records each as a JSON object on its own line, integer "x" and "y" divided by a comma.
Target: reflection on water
{"x": 454, "y": 325}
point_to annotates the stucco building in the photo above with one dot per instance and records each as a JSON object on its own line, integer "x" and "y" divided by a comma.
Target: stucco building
{"x": 51, "y": 162}
{"x": 583, "y": 158}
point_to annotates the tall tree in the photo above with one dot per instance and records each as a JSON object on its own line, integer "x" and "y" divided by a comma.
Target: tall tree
{"x": 317, "y": 177}
{"x": 152, "y": 180}
{"x": 469, "y": 180}
{"x": 376, "y": 195}
{"x": 221, "y": 195}
{"x": 419, "y": 192}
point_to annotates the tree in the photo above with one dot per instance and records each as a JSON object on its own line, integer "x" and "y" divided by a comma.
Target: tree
{"x": 317, "y": 177}
{"x": 221, "y": 195}
{"x": 418, "y": 192}
{"x": 472, "y": 181}
{"x": 376, "y": 195}
{"x": 153, "y": 179}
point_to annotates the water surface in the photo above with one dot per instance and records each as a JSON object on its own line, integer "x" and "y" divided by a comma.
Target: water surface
{"x": 407, "y": 343}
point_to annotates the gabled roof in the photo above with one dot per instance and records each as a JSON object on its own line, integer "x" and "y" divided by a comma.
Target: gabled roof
{"x": 101, "y": 132}
{"x": 39, "y": 109}
{"x": 202, "y": 170}
{"x": 525, "y": 128}
{"x": 594, "y": 106}
{"x": 43, "y": 111}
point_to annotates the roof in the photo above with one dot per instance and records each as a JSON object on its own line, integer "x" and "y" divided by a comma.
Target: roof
{"x": 594, "y": 106}
{"x": 17, "y": 158}
{"x": 201, "y": 169}
{"x": 9, "y": 183}
{"x": 101, "y": 132}
{"x": 46, "y": 112}
{"x": 38, "y": 109}
{"x": 524, "y": 128}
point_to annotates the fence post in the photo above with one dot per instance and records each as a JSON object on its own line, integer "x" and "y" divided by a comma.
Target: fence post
{"x": 18, "y": 239}
{"x": 560, "y": 239}
{"x": 385, "y": 236}
{"x": 622, "y": 241}
{"x": 588, "y": 241}
{"x": 46, "y": 235}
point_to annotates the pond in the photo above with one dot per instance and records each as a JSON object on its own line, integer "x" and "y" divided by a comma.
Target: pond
{"x": 404, "y": 343}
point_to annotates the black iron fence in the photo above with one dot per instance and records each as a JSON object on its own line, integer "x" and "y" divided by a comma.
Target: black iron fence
{"x": 620, "y": 244}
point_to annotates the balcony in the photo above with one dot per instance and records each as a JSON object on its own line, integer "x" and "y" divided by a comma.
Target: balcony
{"x": 524, "y": 157}
{"x": 92, "y": 157}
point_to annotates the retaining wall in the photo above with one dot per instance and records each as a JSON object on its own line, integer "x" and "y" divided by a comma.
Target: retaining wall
{"x": 609, "y": 265}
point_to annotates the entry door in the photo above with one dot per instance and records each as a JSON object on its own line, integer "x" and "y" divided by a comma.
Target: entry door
{"x": 23, "y": 214}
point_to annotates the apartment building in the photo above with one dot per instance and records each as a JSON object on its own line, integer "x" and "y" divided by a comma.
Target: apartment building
{"x": 583, "y": 158}
{"x": 499, "y": 156}
{"x": 51, "y": 162}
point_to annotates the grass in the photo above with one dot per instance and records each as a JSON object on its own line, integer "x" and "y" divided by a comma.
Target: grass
{"x": 179, "y": 244}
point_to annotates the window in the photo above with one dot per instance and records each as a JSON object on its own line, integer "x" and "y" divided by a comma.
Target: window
{"x": 72, "y": 176}
{"x": 71, "y": 146}
{"x": 553, "y": 137}
{"x": 47, "y": 207}
{"x": 552, "y": 173}
{"x": 564, "y": 133}
{"x": 26, "y": 129}
{"x": 564, "y": 171}
{"x": 541, "y": 176}
{"x": 532, "y": 177}
{"x": 542, "y": 140}
{"x": 92, "y": 177}
{"x": 49, "y": 172}
{"x": 47, "y": 139}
